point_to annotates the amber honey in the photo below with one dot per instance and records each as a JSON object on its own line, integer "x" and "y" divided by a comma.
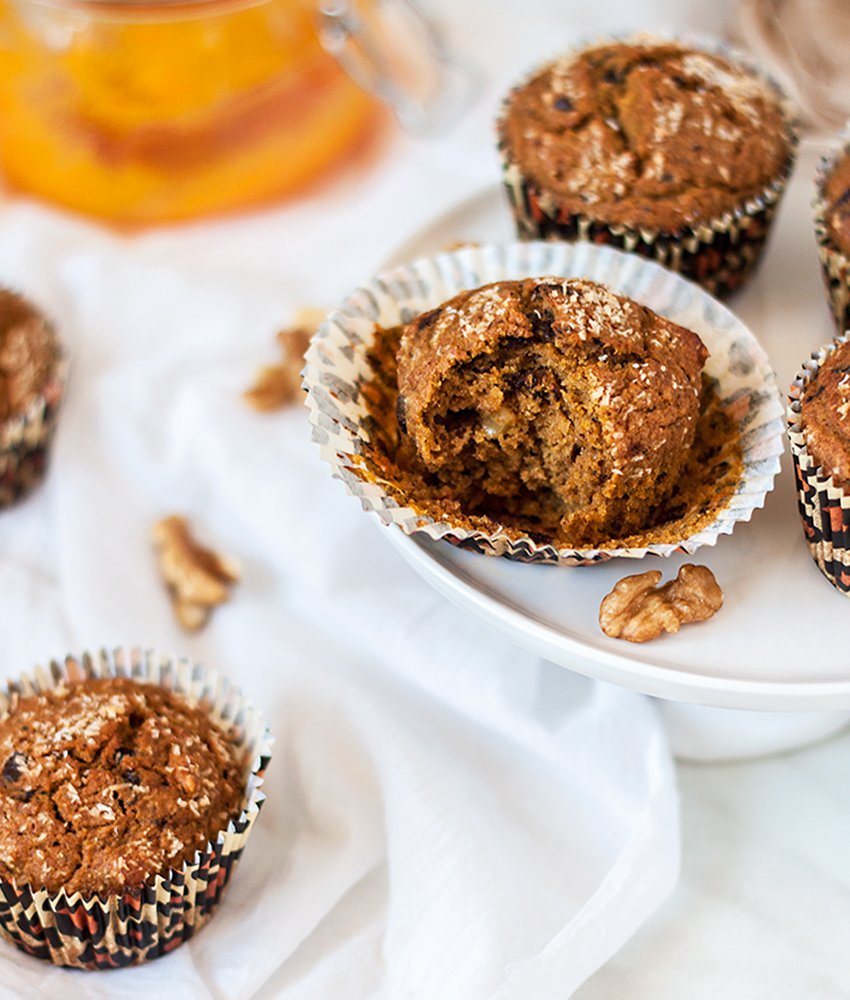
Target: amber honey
{"x": 140, "y": 113}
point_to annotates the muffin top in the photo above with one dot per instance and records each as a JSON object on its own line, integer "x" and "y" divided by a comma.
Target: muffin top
{"x": 825, "y": 416}
{"x": 106, "y": 782}
{"x": 629, "y": 351}
{"x": 836, "y": 193}
{"x": 646, "y": 135}
{"x": 29, "y": 353}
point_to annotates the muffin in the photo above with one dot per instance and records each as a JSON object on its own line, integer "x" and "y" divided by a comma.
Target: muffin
{"x": 819, "y": 429}
{"x": 671, "y": 152}
{"x": 556, "y": 400}
{"x": 127, "y": 789}
{"x": 368, "y": 436}
{"x": 32, "y": 376}
{"x": 832, "y": 229}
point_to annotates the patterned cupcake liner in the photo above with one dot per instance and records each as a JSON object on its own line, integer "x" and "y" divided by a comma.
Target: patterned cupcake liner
{"x": 824, "y": 506}
{"x": 118, "y": 930}
{"x": 25, "y": 438}
{"x": 720, "y": 254}
{"x": 835, "y": 265}
{"x": 338, "y": 367}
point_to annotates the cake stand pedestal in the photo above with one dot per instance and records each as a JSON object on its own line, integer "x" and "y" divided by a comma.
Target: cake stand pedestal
{"x": 771, "y": 672}
{"x": 703, "y": 733}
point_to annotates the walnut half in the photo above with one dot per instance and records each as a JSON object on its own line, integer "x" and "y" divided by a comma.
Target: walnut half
{"x": 198, "y": 579}
{"x": 637, "y": 609}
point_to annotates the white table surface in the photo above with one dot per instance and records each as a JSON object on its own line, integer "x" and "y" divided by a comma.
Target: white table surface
{"x": 763, "y": 902}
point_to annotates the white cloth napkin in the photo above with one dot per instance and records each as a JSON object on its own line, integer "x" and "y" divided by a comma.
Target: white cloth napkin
{"x": 447, "y": 816}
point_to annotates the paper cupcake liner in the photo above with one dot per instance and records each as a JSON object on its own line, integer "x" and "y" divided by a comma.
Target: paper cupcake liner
{"x": 338, "y": 366}
{"x": 835, "y": 265}
{"x": 719, "y": 254}
{"x": 119, "y": 930}
{"x": 824, "y": 506}
{"x": 25, "y": 438}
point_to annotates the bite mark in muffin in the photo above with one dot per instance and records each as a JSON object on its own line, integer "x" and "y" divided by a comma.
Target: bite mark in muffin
{"x": 556, "y": 400}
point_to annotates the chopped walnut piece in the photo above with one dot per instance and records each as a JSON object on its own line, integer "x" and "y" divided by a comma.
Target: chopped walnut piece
{"x": 637, "y": 609}
{"x": 198, "y": 579}
{"x": 279, "y": 385}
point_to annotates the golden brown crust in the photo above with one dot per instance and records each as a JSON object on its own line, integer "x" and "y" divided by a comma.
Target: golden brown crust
{"x": 656, "y": 135}
{"x": 558, "y": 397}
{"x": 106, "y": 782}
{"x": 825, "y": 416}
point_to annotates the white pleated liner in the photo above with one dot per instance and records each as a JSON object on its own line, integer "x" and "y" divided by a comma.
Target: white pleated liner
{"x": 337, "y": 367}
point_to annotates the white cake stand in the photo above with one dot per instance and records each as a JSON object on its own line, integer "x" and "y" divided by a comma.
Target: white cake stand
{"x": 772, "y": 670}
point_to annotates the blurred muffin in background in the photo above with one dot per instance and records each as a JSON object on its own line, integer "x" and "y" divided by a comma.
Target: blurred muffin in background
{"x": 32, "y": 380}
{"x": 676, "y": 153}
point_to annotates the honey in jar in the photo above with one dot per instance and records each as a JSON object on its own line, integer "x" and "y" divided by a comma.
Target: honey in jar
{"x": 143, "y": 112}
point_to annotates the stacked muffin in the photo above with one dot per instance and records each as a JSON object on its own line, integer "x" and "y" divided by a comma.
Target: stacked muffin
{"x": 819, "y": 402}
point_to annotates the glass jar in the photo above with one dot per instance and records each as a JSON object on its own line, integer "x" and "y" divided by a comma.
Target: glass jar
{"x": 142, "y": 111}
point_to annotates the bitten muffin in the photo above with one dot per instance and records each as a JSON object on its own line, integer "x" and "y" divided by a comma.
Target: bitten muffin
{"x": 106, "y": 782}
{"x": 552, "y": 398}
{"x": 32, "y": 374}
{"x": 671, "y": 152}
{"x": 832, "y": 228}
